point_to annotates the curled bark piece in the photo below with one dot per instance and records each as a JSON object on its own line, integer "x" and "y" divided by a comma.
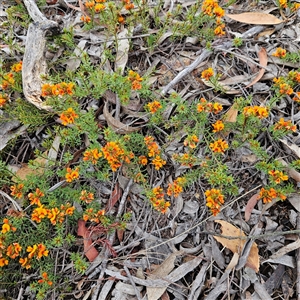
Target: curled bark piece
{"x": 34, "y": 62}
{"x": 116, "y": 125}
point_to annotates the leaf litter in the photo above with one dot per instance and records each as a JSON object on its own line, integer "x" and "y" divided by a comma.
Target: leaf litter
{"x": 204, "y": 266}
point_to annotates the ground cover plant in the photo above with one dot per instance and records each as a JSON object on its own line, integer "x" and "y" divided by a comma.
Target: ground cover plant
{"x": 149, "y": 150}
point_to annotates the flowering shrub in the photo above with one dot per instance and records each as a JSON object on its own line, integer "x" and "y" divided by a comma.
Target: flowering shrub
{"x": 93, "y": 152}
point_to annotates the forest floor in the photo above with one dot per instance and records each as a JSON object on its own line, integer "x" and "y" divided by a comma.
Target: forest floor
{"x": 149, "y": 150}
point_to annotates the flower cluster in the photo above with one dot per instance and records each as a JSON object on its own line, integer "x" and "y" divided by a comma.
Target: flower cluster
{"x": 207, "y": 74}
{"x": 211, "y": 7}
{"x": 59, "y": 89}
{"x": 128, "y": 5}
{"x": 154, "y": 106}
{"x": 218, "y": 126}
{"x": 35, "y": 198}
{"x": 154, "y": 152}
{"x": 280, "y": 52}
{"x": 55, "y": 215}
{"x": 267, "y": 195}
{"x": 143, "y": 160}
{"x": 93, "y": 215}
{"x": 86, "y": 196}
{"x": 295, "y": 6}
{"x": 17, "y": 67}
{"x": 176, "y": 187}
{"x": 115, "y": 155}
{"x": 278, "y": 176}
{"x": 92, "y": 155}
{"x": 157, "y": 200}
{"x": 7, "y": 81}
{"x": 218, "y": 146}
{"x": 209, "y": 107}
{"x": 214, "y": 200}
{"x": 285, "y": 125}
{"x": 256, "y": 111}
{"x": 45, "y": 279}
{"x": 135, "y": 80}
{"x": 17, "y": 190}
{"x": 3, "y": 99}
{"x": 294, "y": 76}
{"x": 284, "y": 87}
{"x": 68, "y": 116}
{"x": 282, "y": 3}
{"x": 6, "y": 227}
{"x": 191, "y": 141}
{"x": 72, "y": 174}
{"x": 186, "y": 159}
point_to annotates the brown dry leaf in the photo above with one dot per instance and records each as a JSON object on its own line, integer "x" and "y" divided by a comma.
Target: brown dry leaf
{"x": 25, "y": 170}
{"x": 116, "y": 125}
{"x": 263, "y": 60}
{"x": 114, "y": 197}
{"x": 236, "y": 245}
{"x": 162, "y": 270}
{"x": 89, "y": 250}
{"x": 267, "y": 32}
{"x": 231, "y": 114}
{"x": 250, "y": 205}
{"x": 255, "y": 18}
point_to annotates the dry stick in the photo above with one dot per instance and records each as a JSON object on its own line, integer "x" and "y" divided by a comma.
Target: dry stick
{"x": 102, "y": 268}
{"x": 132, "y": 283}
{"x": 204, "y": 55}
{"x": 34, "y": 61}
{"x": 298, "y": 262}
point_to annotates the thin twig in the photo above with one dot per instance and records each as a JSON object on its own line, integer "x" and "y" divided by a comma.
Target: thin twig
{"x": 132, "y": 283}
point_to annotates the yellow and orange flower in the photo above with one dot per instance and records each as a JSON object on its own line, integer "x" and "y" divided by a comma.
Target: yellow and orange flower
{"x": 158, "y": 162}
{"x": 87, "y": 197}
{"x": 3, "y": 99}
{"x": 3, "y": 261}
{"x": 17, "y": 67}
{"x": 176, "y": 187}
{"x": 35, "y": 198}
{"x": 267, "y": 195}
{"x": 218, "y": 126}
{"x": 219, "y": 146}
{"x": 143, "y": 160}
{"x": 285, "y": 125}
{"x": 92, "y": 155}
{"x": 85, "y": 19}
{"x": 207, "y": 74}
{"x": 114, "y": 154}
{"x": 45, "y": 279}
{"x": 280, "y": 52}
{"x": 25, "y": 262}
{"x": 13, "y": 250}
{"x": 214, "y": 200}
{"x": 71, "y": 175}
{"x": 68, "y": 116}
{"x": 154, "y": 106}
{"x": 39, "y": 213}
{"x": 257, "y": 111}
{"x": 278, "y": 176}
{"x": 6, "y": 227}
{"x": 17, "y": 190}
{"x": 135, "y": 79}
{"x": 191, "y": 141}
